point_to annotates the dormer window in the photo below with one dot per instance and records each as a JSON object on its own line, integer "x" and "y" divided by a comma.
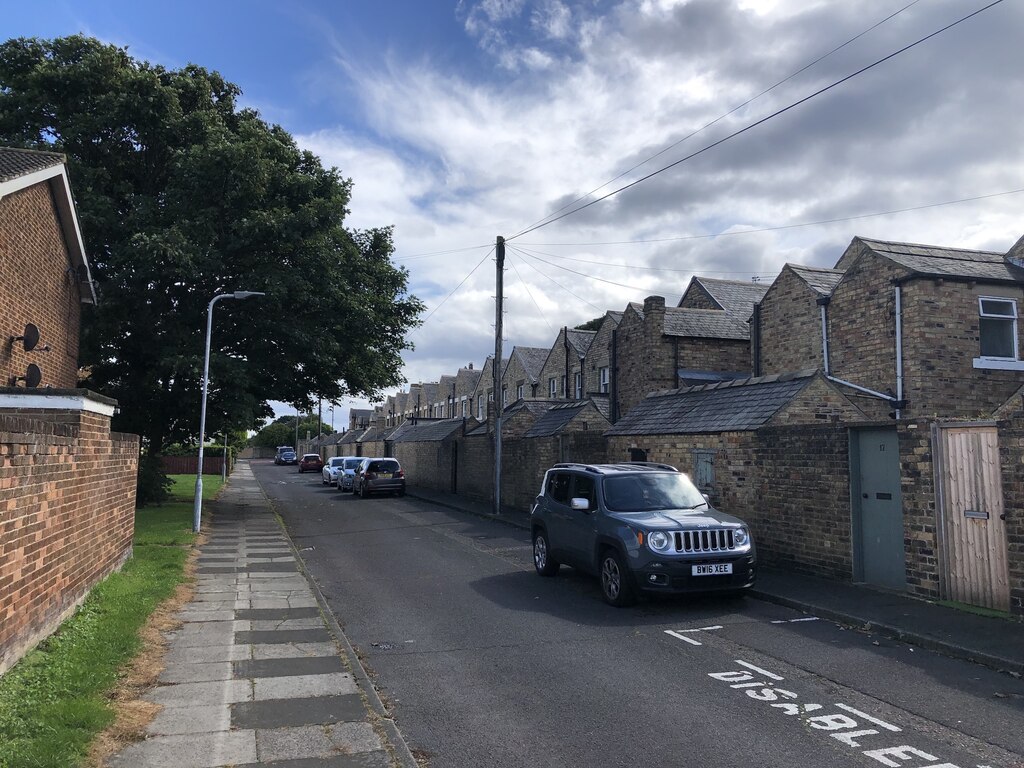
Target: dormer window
{"x": 997, "y": 325}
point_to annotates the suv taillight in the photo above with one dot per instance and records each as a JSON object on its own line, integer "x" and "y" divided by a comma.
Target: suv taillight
{"x": 399, "y": 473}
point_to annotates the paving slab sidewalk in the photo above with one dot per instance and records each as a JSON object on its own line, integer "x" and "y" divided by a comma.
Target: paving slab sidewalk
{"x": 259, "y": 673}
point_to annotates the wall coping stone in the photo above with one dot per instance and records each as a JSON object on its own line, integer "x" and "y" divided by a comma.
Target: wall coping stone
{"x": 52, "y": 399}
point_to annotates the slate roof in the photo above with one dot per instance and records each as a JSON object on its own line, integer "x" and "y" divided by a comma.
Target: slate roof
{"x": 350, "y": 437}
{"x": 820, "y": 280}
{"x": 478, "y": 431}
{"x": 532, "y": 359}
{"x": 947, "y": 262}
{"x": 471, "y": 376}
{"x": 734, "y": 406}
{"x": 580, "y": 341}
{"x": 15, "y": 163}
{"x": 370, "y": 435}
{"x": 705, "y": 324}
{"x": 535, "y": 407}
{"x": 603, "y": 403}
{"x": 738, "y": 296}
{"x": 429, "y": 431}
{"x": 429, "y": 393}
{"x": 556, "y": 418}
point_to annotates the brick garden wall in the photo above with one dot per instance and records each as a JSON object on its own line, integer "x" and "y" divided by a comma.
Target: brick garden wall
{"x": 67, "y": 512}
{"x": 427, "y": 464}
{"x": 36, "y": 287}
{"x": 1011, "y": 454}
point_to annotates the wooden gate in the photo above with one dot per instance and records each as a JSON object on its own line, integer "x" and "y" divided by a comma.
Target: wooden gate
{"x": 971, "y": 515}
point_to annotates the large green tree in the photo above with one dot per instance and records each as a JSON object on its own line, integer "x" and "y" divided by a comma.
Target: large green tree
{"x": 183, "y": 195}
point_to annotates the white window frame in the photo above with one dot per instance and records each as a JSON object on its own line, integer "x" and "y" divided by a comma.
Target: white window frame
{"x": 552, "y": 387}
{"x": 465, "y": 404}
{"x": 519, "y": 392}
{"x": 1000, "y": 363}
{"x": 577, "y": 384}
{"x": 504, "y": 396}
{"x": 603, "y": 376}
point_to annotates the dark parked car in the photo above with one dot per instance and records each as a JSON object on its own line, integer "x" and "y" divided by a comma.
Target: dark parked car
{"x": 379, "y": 476}
{"x": 289, "y": 457}
{"x": 347, "y": 475}
{"x": 281, "y": 450}
{"x": 640, "y": 527}
{"x": 311, "y": 462}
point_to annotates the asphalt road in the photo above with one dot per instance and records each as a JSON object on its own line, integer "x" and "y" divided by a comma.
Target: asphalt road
{"x": 484, "y": 663}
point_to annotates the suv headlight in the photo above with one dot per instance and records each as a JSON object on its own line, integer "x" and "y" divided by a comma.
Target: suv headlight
{"x": 659, "y": 541}
{"x": 740, "y": 537}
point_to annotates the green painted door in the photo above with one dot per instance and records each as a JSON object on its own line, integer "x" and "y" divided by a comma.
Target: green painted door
{"x": 879, "y": 509}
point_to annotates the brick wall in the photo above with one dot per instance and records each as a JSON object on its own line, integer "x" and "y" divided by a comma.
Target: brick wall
{"x": 697, "y": 298}
{"x": 1011, "y": 454}
{"x": 37, "y": 287}
{"x": 646, "y": 358}
{"x": 427, "y": 464}
{"x": 789, "y": 483}
{"x": 67, "y": 511}
{"x": 598, "y": 357}
{"x": 790, "y": 326}
{"x": 554, "y": 368}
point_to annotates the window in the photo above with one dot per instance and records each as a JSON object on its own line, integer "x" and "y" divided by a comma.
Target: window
{"x": 998, "y": 325}
{"x": 479, "y": 409}
{"x": 997, "y": 331}
{"x": 464, "y": 408}
{"x": 558, "y": 487}
{"x": 585, "y": 490}
{"x": 603, "y": 380}
{"x": 577, "y": 385}
{"x": 563, "y": 386}
{"x": 504, "y": 396}
{"x": 519, "y": 392}
{"x": 551, "y": 387}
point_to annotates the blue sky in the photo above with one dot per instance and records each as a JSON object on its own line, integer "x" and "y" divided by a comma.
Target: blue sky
{"x": 465, "y": 119}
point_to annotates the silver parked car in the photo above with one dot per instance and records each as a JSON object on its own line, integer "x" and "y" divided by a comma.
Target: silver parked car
{"x": 347, "y": 475}
{"x": 331, "y": 469}
{"x": 379, "y": 476}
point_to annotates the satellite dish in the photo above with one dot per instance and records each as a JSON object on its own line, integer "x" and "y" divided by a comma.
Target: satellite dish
{"x": 33, "y": 375}
{"x": 29, "y": 339}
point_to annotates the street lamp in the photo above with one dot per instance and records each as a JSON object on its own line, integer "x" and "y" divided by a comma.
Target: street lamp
{"x": 197, "y": 506}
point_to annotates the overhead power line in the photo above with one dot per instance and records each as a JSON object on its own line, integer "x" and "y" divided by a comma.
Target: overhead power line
{"x": 542, "y": 274}
{"x": 530, "y": 293}
{"x": 443, "y": 253}
{"x": 452, "y": 292}
{"x": 756, "y": 123}
{"x": 532, "y": 255}
{"x": 738, "y": 107}
{"x": 780, "y": 226}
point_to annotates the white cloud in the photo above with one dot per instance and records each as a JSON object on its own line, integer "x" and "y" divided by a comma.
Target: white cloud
{"x": 456, "y": 160}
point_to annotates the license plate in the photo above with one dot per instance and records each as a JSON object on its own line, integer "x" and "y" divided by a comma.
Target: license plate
{"x": 715, "y": 569}
{"x": 384, "y": 475}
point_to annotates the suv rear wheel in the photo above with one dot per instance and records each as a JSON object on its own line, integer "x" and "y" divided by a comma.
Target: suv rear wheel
{"x": 545, "y": 564}
{"x": 616, "y": 581}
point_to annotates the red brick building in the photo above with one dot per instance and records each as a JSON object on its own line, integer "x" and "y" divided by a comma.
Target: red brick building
{"x": 67, "y": 484}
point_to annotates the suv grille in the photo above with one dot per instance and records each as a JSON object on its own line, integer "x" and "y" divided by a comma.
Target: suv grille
{"x": 704, "y": 540}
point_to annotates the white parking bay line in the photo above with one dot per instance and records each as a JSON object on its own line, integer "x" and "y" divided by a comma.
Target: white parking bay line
{"x": 869, "y": 718}
{"x": 764, "y": 672}
{"x": 682, "y": 637}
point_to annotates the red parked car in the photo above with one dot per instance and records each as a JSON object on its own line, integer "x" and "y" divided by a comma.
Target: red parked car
{"x": 311, "y": 462}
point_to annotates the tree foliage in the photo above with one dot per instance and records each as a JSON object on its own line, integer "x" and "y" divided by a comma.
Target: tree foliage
{"x": 591, "y": 325}
{"x": 282, "y": 431}
{"x": 183, "y": 195}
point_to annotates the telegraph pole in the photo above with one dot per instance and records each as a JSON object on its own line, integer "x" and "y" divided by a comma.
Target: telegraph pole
{"x": 499, "y": 301}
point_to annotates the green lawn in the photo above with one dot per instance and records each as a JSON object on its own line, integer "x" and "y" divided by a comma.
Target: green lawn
{"x": 53, "y": 702}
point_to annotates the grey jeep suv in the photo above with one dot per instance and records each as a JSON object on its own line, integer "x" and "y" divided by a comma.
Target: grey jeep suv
{"x": 640, "y": 527}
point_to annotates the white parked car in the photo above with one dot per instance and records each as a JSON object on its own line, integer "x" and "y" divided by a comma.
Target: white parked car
{"x": 331, "y": 470}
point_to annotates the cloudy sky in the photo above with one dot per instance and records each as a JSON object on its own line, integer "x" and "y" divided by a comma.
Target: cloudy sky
{"x": 461, "y": 120}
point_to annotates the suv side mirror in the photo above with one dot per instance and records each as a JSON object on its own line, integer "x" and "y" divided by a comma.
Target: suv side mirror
{"x": 580, "y": 503}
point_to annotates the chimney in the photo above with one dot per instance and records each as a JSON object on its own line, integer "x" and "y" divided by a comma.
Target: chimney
{"x": 471, "y": 366}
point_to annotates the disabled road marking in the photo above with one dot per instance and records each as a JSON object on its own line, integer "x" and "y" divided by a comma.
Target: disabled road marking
{"x": 679, "y": 634}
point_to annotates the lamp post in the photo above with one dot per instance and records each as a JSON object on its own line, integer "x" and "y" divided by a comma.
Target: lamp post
{"x": 197, "y": 505}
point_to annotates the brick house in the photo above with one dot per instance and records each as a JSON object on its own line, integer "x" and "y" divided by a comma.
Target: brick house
{"x": 483, "y": 395}
{"x": 598, "y": 379}
{"x": 925, "y": 340}
{"x": 67, "y": 483}
{"x": 359, "y": 418}
{"x": 564, "y": 369}
{"x": 659, "y": 348}
{"x": 521, "y": 377}
{"x": 466, "y": 381}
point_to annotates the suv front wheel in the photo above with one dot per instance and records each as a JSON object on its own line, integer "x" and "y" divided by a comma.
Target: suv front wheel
{"x": 545, "y": 564}
{"x": 616, "y": 581}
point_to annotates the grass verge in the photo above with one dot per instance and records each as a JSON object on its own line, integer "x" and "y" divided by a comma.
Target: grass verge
{"x": 57, "y": 699}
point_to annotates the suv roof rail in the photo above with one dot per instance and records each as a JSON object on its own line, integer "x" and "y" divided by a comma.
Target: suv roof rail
{"x": 654, "y": 465}
{"x": 575, "y": 465}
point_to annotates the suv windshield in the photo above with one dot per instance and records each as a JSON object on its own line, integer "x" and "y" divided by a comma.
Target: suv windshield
{"x": 642, "y": 492}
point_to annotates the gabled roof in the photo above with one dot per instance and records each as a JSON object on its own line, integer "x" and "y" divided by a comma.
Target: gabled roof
{"x": 534, "y": 407}
{"x": 556, "y": 418}
{"x": 470, "y": 375}
{"x": 603, "y": 403}
{"x": 705, "y": 324}
{"x": 444, "y": 387}
{"x": 820, "y": 280}
{"x": 22, "y": 168}
{"x": 580, "y": 341}
{"x": 931, "y": 260}
{"x": 532, "y": 359}
{"x": 430, "y": 431}
{"x": 370, "y": 435}
{"x": 738, "y": 296}
{"x": 733, "y": 406}
{"x": 428, "y": 393}
{"x": 352, "y": 436}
